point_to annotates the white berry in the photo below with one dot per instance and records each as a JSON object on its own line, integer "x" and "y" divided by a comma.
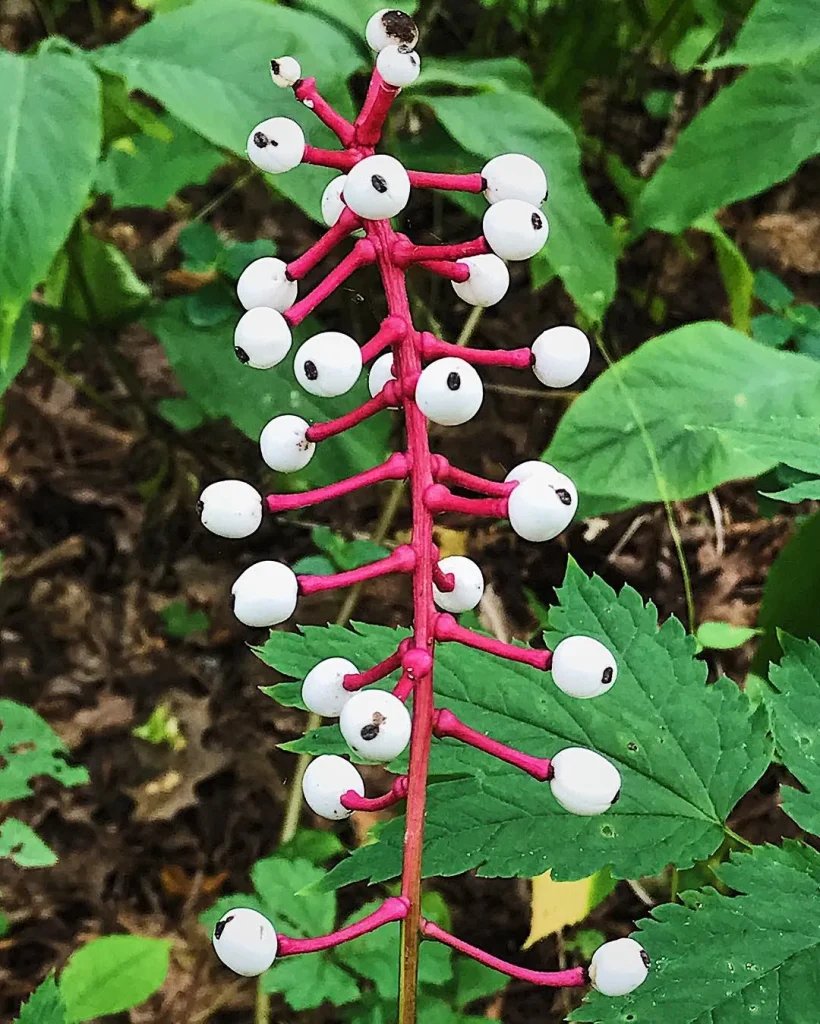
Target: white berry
{"x": 561, "y": 356}
{"x": 488, "y": 281}
{"x": 377, "y": 187}
{"x": 323, "y": 691}
{"x": 398, "y": 66}
{"x": 328, "y": 364}
{"x": 380, "y": 373}
{"x": 618, "y": 968}
{"x": 332, "y": 203}
{"x": 262, "y": 338}
{"x": 375, "y": 725}
{"x": 265, "y": 594}
{"x": 230, "y": 508}
{"x": 469, "y": 588}
{"x": 526, "y": 470}
{"x": 514, "y": 176}
{"x": 582, "y": 667}
{"x": 390, "y": 27}
{"x": 245, "y": 941}
{"x": 583, "y": 782}
{"x": 542, "y": 507}
{"x": 515, "y": 230}
{"x": 284, "y": 444}
{"x": 265, "y": 283}
{"x": 449, "y": 391}
{"x": 327, "y": 778}
{"x": 285, "y": 71}
{"x": 276, "y": 145}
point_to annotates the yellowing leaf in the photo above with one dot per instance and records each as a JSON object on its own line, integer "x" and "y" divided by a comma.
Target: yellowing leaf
{"x": 556, "y": 905}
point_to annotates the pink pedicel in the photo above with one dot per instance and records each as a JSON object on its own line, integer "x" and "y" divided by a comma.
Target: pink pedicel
{"x": 447, "y": 725}
{"x": 402, "y": 560}
{"x": 306, "y": 92}
{"x": 439, "y": 499}
{"x": 515, "y": 358}
{"x": 448, "y": 629}
{"x": 386, "y": 397}
{"x": 361, "y": 255}
{"x": 446, "y": 473}
{"x": 397, "y": 792}
{"x": 377, "y": 672}
{"x": 347, "y": 222}
{"x": 393, "y": 909}
{"x": 451, "y": 182}
{"x": 405, "y": 252}
{"x": 396, "y": 468}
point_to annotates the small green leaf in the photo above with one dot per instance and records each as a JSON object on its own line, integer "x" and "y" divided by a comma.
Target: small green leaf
{"x": 314, "y": 565}
{"x": 772, "y": 291}
{"x": 45, "y": 1005}
{"x": 803, "y": 490}
{"x": 736, "y": 273}
{"x": 236, "y": 257}
{"x": 723, "y": 636}
{"x": 21, "y": 844}
{"x": 180, "y": 620}
{"x": 289, "y": 695}
{"x": 182, "y": 413}
{"x": 29, "y": 747}
{"x": 201, "y": 245}
{"x": 211, "y": 306}
{"x": 771, "y": 329}
{"x": 313, "y": 845}
{"x": 112, "y": 974}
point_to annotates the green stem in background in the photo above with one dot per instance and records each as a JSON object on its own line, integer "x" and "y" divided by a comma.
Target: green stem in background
{"x": 470, "y": 324}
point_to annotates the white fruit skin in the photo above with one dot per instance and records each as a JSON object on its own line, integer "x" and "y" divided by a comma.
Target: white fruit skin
{"x": 488, "y": 281}
{"x": 231, "y": 509}
{"x": 332, "y": 203}
{"x": 247, "y": 944}
{"x": 561, "y": 356}
{"x": 265, "y": 594}
{"x": 289, "y": 73}
{"x": 398, "y": 66}
{"x": 578, "y": 666}
{"x": 326, "y": 779}
{"x": 514, "y": 176}
{"x": 380, "y": 373}
{"x": 338, "y": 360}
{"x": 535, "y": 511}
{"x": 263, "y": 283}
{"x": 527, "y": 470}
{"x": 362, "y": 197}
{"x": 264, "y": 336}
{"x": 584, "y": 783}
{"x": 376, "y": 34}
{"x": 284, "y": 445}
{"x": 469, "y": 588}
{"x": 440, "y": 404}
{"x": 393, "y": 735}
{"x": 289, "y": 148}
{"x": 618, "y": 968}
{"x": 510, "y": 232}
{"x": 323, "y": 690}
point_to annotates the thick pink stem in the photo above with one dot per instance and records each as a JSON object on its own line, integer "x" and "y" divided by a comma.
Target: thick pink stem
{"x": 341, "y": 160}
{"x": 390, "y": 331}
{"x": 398, "y": 791}
{"x": 346, "y": 223}
{"x": 360, "y": 256}
{"x": 403, "y": 688}
{"x": 447, "y": 725}
{"x": 405, "y": 252}
{"x": 451, "y": 182}
{"x": 573, "y": 977}
{"x": 445, "y": 581}
{"x": 402, "y": 560}
{"x": 396, "y": 468}
{"x": 393, "y": 909}
{"x": 459, "y": 272}
{"x": 374, "y": 111}
{"x": 306, "y": 92}
{"x": 448, "y": 629}
{"x": 388, "y": 396}
{"x": 439, "y": 499}
{"x": 355, "y": 681}
{"x": 447, "y": 473}
{"x": 516, "y": 358}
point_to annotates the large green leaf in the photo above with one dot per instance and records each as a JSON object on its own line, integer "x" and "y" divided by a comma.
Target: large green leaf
{"x": 687, "y": 752}
{"x": 581, "y": 248}
{"x": 353, "y": 14}
{"x": 209, "y": 64}
{"x": 44, "y": 1007}
{"x": 29, "y": 747}
{"x": 722, "y": 960}
{"x": 204, "y": 361}
{"x": 112, "y": 974}
{"x": 756, "y": 132}
{"x": 776, "y": 31}
{"x": 21, "y": 844}
{"x": 18, "y": 350}
{"x": 50, "y": 131}
{"x": 685, "y": 412}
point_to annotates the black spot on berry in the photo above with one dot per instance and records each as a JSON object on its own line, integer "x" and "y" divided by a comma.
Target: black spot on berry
{"x": 260, "y": 140}
{"x": 616, "y": 798}
{"x": 537, "y": 221}
{"x": 606, "y": 678}
{"x": 274, "y": 66}
{"x": 221, "y": 926}
{"x": 647, "y": 960}
{"x": 200, "y": 507}
{"x": 378, "y": 183}
{"x": 370, "y": 731}
{"x": 563, "y": 496}
{"x": 242, "y": 355}
{"x": 400, "y": 26}
{"x": 311, "y": 370}
{"x": 454, "y": 381}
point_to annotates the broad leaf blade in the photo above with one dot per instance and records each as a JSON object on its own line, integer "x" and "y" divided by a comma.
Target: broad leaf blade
{"x": 29, "y": 747}
{"x": 776, "y": 31}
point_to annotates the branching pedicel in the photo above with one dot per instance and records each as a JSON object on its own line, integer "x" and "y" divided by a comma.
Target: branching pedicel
{"x": 426, "y": 378}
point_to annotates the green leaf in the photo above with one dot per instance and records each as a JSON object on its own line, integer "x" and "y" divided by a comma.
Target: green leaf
{"x": 487, "y": 74}
{"x": 353, "y": 14}
{"x": 795, "y": 707}
{"x": 686, "y": 412}
{"x": 50, "y": 131}
{"x": 723, "y": 636}
{"x": 28, "y": 748}
{"x": 214, "y": 378}
{"x": 772, "y": 329}
{"x": 475, "y": 981}
{"x": 143, "y": 170}
{"x": 718, "y": 959}
{"x": 687, "y": 752}
{"x": 182, "y": 413}
{"x": 201, "y": 245}
{"x": 180, "y": 620}
{"x": 346, "y": 554}
{"x": 45, "y": 1006}
{"x": 308, "y": 981}
{"x": 314, "y": 565}
{"x": 236, "y": 257}
{"x": 19, "y": 348}
{"x": 736, "y": 273}
{"x": 804, "y": 490}
{"x": 209, "y": 65}
{"x": 710, "y": 166}
{"x": 580, "y": 250}
{"x": 775, "y": 31}
{"x": 21, "y": 844}
{"x": 313, "y": 845}
{"x": 112, "y": 974}
{"x": 772, "y": 291}
{"x": 211, "y": 306}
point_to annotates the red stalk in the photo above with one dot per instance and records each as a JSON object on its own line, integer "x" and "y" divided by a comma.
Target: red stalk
{"x": 459, "y": 272}
{"x": 444, "y": 472}
{"x": 341, "y": 160}
{"x": 515, "y": 358}
{"x": 451, "y": 182}
{"x": 402, "y": 560}
{"x": 386, "y": 397}
{"x": 393, "y": 909}
{"x": 446, "y": 724}
{"x": 448, "y": 629}
{"x": 360, "y": 256}
{"x": 395, "y": 468}
{"x": 368, "y": 125}
{"x": 306, "y": 92}
{"x": 439, "y": 499}
{"x": 406, "y": 252}
{"x": 355, "y": 681}
{"x": 390, "y": 331}
{"x": 326, "y": 244}
{"x": 398, "y": 791}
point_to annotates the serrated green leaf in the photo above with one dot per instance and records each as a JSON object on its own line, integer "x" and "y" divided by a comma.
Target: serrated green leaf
{"x": 775, "y": 31}
{"x": 112, "y": 974}
{"x": 21, "y": 844}
{"x": 44, "y": 1007}
{"x": 29, "y": 747}
{"x": 698, "y": 406}
{"x": 722, "y": 960}
{"x": 289, "y": 695}
{"x": 308, "y": 981}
